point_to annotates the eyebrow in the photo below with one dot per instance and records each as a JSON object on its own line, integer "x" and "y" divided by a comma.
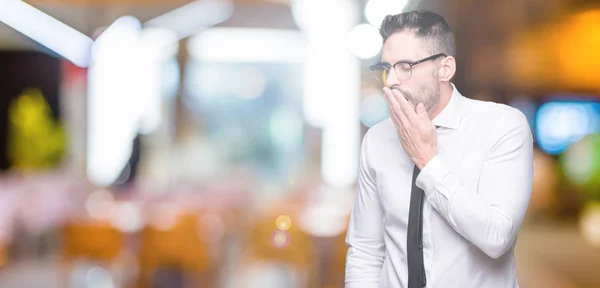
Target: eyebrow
{"x": 399, "y": 61}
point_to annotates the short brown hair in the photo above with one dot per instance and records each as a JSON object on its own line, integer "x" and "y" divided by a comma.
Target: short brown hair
{"x": 426, "y": 25}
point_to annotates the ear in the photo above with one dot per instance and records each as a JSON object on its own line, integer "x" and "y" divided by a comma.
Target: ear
{"x": 447, "y": 68}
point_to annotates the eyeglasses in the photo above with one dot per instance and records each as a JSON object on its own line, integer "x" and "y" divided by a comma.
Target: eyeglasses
{"x": 403, "y": 69}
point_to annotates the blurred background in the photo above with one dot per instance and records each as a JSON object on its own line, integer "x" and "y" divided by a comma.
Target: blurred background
{"x": 214, "y": 143}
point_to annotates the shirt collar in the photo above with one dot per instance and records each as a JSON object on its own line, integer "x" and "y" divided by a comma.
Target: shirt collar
{"x": 450, "y": 115}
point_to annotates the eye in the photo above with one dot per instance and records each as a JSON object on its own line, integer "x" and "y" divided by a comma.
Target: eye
{"x": 402, "y": 66}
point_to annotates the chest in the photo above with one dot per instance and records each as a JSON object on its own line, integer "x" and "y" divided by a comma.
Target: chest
{"x": 463, "y": 151}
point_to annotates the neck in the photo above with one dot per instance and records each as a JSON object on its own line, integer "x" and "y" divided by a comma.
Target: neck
{"x": 445, "y": 95}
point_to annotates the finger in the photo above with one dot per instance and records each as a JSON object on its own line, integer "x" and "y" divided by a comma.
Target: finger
{"x": 394, "y": 118}
{"x": 390, "y": 110}
{"x": 392, "y": 105}
{"x": 422, "y": 113}
{"x": 406, "y": 107}
{"x": 398, "y": 109}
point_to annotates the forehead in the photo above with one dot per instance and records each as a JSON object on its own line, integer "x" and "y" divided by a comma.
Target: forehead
{"x": 403, "y": 45}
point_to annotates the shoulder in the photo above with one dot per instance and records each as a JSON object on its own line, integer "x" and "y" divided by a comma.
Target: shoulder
{"x": 499, "y": 122}
{"x": 378, "y": 136}
{"x": 496, "y": 116}
{"x": 379, "y": 143}
{"x": 382, "y": 129}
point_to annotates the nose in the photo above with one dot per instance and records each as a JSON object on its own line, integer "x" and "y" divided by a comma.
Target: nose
{"x": 392, "y": 79}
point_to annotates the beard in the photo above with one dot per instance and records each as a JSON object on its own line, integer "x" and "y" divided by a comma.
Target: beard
{"x": 429, "y": 95}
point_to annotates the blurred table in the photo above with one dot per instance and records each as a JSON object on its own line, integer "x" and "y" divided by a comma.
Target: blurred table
{"x": 555, "y": 255}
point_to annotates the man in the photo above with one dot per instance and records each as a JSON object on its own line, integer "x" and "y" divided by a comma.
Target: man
{"x": 440, "y": 202}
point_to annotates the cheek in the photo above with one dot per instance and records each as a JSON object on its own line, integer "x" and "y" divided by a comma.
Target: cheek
{"x": 417, "y": 87}
{"x": 424, "y": 76}
{"x": 407, "y": 88}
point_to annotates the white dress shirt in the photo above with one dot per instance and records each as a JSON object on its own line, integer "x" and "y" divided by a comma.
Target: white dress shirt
{"x": 477, "y": 191}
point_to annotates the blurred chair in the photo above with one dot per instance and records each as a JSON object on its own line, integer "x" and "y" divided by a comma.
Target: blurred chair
{"x": 334, "y": 268}
{"x": 97, "y": 241}
{"x": 335, "y": 264}
{"x": 177, "y": 248}
{"x": 3, "y": 256}
{"x": 293, "y": 249}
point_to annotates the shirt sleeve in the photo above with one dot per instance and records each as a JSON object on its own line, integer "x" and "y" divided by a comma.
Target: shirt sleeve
{"x": 366, "y": 249}
{"x": 489, "y": 214}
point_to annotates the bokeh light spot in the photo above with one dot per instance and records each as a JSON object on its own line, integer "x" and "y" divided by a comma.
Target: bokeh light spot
{"x": 283, "y": 222}
{"x": 280, "y": 239}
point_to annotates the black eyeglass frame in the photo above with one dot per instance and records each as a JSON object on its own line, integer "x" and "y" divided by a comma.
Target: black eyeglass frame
{"x": 387, "y": 67}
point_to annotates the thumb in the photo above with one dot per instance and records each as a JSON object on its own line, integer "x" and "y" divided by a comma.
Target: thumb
{"x": 421, "y": 111}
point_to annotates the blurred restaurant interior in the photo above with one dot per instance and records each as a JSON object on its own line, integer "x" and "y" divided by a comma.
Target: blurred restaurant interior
{"x": 214, "y": 143}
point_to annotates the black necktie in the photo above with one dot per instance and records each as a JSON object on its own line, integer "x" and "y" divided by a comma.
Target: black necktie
{"x": 414, "y": 241}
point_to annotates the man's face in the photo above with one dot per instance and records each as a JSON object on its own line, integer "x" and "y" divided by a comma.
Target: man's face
{"x": 423, "y": 86}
